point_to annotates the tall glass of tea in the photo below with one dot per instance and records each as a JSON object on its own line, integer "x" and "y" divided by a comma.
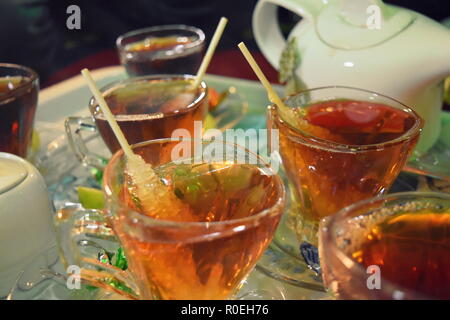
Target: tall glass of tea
{"x": 339, "y": 146}
{"x": 167, "y": 49}
{"x": 19, "y": 88}
{"x": 391, "y": 247}
{"x": 227, "y": 212}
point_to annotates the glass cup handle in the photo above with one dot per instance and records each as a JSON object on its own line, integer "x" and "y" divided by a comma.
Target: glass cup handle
{"x": 75, "y": 127}
{"x": 88, "y": 247}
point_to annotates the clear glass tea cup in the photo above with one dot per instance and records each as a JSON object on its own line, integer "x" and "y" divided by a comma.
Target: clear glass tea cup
{"x": 166, "y": 49}
{"x": 327, "y": 175}
{"x": 231, "y": 210}
{"x": 395, "y": 246}
{"x": 146, "y": 108}
{"x": 19, "y": 88}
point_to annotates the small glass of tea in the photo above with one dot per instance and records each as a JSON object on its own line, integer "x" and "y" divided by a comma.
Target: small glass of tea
{"x": 341, "y": 145}
{"x": 228, "y": 211}
{"x": 145, "y": 108}
{"x": 19, "y": 88}
{"x": 391, "y": 247}
{"x": 168, "y": 49}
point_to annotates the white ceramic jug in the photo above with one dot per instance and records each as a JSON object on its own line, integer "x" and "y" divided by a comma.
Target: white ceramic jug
{"x": 365, "y": 44}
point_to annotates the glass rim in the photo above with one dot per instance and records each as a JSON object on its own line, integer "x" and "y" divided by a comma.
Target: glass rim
{"x": 248, "y": 221}
{"x": 167, "y": 27}
{"x": 112, "y": 86}
{"x": 317, "y": 142}
{"x": 328, "y": 225}
{"x": 30, "y": 78}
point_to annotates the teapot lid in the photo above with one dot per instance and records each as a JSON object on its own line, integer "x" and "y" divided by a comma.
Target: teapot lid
{"x": 358, "y": 24}
{"x": 12, "y": 172}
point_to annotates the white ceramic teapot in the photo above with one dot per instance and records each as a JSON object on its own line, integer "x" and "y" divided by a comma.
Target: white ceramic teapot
{"x": 365, "y": 44}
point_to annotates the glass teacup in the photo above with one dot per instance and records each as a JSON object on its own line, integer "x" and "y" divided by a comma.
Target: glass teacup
{"x": 343, "y": 145}
{"x": 391, "y": 247}
{"x": 146, "y": 108}
{"x": 167, "y": 49}
{"x": 19, "y": 88}
{"x": 232, "y": 211}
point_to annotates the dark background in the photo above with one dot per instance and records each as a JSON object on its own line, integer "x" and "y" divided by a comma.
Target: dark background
{"x": 34, "y": 33}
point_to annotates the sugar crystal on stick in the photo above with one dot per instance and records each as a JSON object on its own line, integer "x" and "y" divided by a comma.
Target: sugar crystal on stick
{"x": 148, "y": 192}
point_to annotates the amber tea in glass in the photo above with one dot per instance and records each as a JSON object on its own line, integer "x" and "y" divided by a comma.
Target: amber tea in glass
{"x": 230, "y": 212}
{"x": 151, "y": 107}
{"x": 168, "y": 49}
{"x": 404, "y": 237}
{"x": 18, "y": 99}
{"x": 342, "y": 145}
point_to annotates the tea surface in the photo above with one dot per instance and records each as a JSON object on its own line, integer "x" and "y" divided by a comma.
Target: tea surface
{"x": 412, "y": 251}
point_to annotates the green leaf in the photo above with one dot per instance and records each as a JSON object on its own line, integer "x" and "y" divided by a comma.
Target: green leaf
{"x": 97, "y": 173}
{"x": 294, "y": 85}
{"x": 289, "y": 60}
{"x": 121, "y": 261}
{"x": 120, "y": 285}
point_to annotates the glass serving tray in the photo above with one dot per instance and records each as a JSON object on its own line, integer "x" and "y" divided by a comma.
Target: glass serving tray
{"x": 285, "y": 271}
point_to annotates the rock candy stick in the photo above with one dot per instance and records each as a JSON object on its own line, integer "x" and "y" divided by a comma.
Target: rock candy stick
{"x": 149, "y": 193}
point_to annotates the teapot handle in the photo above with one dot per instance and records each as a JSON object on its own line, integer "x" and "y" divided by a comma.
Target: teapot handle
{"x": 265, "y": 24}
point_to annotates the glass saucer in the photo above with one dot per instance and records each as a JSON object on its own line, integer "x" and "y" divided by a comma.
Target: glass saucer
{"x": 52, "y": 283}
